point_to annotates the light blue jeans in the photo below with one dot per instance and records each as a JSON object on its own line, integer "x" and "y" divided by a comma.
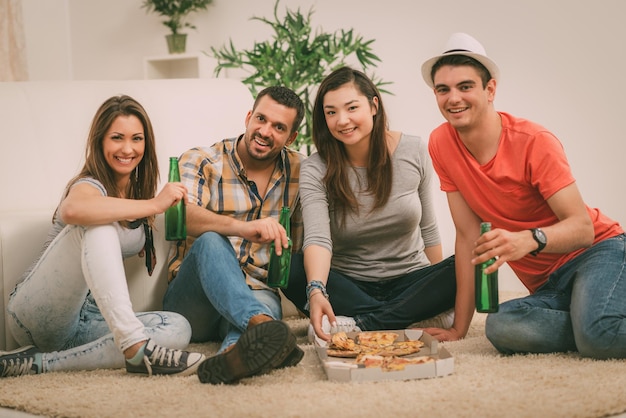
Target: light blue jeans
{"x": 210, "y": 290}
{"x": 582, "y": 307}
{"x": 74, "y": 303}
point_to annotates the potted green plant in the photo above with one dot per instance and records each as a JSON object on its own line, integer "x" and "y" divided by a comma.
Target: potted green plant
{"x": 176, "y": 13}
{"x": 297, "y": 59}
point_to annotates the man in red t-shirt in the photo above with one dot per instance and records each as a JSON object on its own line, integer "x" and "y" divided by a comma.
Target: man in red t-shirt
{"x": 513, "y": 173}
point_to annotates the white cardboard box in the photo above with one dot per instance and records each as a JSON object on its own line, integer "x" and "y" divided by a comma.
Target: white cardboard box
{"x": 345, "y": 370}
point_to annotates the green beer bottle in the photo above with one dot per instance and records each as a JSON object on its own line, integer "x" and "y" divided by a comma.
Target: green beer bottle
{"x": 278, "y": 271}
{"x": 175, "y": 217}
{"x": 486, "y": 285}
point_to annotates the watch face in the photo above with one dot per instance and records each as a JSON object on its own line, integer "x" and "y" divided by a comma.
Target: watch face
{"x": 539, "y": 236}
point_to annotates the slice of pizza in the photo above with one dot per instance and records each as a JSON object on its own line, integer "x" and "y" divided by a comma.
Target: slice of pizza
{"x": 376, "y": 339}
{"x": 403, "y": 348}
{"x": 341, "y": 341}
{"x": 342, "y": 346}
{"x": 370, "y": 360}
{"x": 399, "y": 363}
{"x": 342, "y": 353}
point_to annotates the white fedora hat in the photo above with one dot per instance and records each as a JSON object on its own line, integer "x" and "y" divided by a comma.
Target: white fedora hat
{"x": 461, "y": 44}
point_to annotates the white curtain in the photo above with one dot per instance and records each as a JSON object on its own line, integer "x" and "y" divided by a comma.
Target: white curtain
{"x": 13, "y": 63}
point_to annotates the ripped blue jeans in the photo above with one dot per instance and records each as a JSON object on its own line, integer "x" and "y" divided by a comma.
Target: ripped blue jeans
{"x": 74, "y": 303}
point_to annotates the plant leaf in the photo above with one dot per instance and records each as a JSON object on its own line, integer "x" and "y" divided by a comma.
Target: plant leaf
{"x": 298, "y": 58}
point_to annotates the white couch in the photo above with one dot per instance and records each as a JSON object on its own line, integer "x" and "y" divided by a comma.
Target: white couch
{"x": 43, "y": 132}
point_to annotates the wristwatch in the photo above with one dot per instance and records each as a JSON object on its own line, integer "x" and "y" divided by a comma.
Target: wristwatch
{"x": 541, "y": 239}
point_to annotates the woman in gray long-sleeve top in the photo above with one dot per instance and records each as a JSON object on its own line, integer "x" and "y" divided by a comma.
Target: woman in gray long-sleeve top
{"x": 372, "y": 251}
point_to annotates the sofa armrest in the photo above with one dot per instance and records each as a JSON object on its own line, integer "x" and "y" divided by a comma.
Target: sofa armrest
{"x": 22, "y": 235}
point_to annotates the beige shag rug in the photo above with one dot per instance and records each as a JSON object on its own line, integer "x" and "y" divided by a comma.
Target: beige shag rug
{"x": 484, "y": 384}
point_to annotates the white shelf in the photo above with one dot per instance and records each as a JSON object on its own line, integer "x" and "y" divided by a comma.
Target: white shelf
{"x": 189, "y": 65}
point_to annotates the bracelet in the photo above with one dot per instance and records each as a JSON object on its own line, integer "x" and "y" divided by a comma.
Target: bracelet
{"x": 311, "y": 286}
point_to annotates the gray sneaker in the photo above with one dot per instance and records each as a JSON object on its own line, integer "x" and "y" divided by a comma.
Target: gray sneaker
{"x": 25, "y": 360}
{"x": 443, "y": 320}
{"x": 161, "y": 360}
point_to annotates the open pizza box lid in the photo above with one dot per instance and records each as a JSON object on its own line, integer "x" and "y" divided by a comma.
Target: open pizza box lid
{"x": 346, "y": 370}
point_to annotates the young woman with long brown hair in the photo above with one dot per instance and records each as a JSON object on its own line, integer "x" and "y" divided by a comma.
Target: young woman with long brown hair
{"x": 72, "y": 309}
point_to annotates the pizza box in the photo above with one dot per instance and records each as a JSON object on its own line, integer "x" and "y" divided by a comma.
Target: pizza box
{"x": 346, "y": 370}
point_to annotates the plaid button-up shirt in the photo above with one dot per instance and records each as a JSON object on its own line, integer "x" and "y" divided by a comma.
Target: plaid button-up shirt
{"x": 216, "y": 180}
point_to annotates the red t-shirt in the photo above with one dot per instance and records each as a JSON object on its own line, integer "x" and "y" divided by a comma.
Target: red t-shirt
{"x": 511, "y": 190}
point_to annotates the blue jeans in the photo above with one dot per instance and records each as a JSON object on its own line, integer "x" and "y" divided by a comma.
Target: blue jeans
{"x": 582, "y": 307}
{"x": 74, "y": 303}
{"x": 392, "y": 304}
{"x": 210, "y": 290}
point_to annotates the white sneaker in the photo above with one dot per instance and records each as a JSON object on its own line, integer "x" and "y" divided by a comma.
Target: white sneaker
{"x": 344, "y": 323}
{"x": 443, "y": 320}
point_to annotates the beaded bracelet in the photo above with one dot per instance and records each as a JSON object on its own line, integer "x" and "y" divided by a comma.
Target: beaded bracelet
{"x": 311, "y": 286}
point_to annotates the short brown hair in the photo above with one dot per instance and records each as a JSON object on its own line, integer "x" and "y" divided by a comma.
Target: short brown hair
{"x": 459, "y": 60}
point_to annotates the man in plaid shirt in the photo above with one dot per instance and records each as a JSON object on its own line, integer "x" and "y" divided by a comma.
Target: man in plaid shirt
{"x": 236, "y": 189}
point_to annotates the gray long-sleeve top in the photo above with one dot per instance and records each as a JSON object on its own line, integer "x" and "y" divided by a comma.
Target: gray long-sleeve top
{"x": 379, "y": 245}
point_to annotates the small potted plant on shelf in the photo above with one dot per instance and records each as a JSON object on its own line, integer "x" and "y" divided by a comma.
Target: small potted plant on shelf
{"x": 176, "y": 12}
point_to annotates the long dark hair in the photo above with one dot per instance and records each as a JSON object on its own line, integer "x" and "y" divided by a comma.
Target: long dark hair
{"x": 143, "y": 182}
{"x": 333, "y": 152}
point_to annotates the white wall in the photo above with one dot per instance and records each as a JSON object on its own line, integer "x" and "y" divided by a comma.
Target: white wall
{"x": 562, "y": 62}
{"x": 47, "y": 37}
